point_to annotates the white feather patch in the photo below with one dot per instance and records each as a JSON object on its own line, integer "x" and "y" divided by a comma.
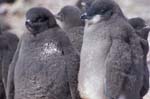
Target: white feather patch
{"x": 49, "y": 49}
{"x": 96, "y": 19}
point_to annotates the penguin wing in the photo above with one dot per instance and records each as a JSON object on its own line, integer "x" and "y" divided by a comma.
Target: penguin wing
{"x": 118, "y": 62}
{"x": 72, "y": 73}
{"x": 145, "y": 88}
{"x": 72, "y": 61}
{"x": 76, "y": 37}
{"x": 12, "y": 42}
{"x": 10, "y": 79}
{"x": 145, "y": 46}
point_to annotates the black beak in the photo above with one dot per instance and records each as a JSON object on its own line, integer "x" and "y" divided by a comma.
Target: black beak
{"x": 58, "y": 17}
{"x": 147, "y": 27}
{"x": 28, "y": 22}
{"x": 85, "y": 16}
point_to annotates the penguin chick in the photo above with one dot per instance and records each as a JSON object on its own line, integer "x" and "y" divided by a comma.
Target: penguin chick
{"x": 69, "y": 19}
{"x": 45, "y": 65}
{"x": 111, "y": 63}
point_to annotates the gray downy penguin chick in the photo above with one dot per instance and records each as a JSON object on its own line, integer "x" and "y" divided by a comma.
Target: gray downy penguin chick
{"x": 111, "y": 65}
{"x": 8, "y": 45}
{"x": 69, "y": 19}
{"x": 142, "y": 30}
{"x": 45, "y": 65}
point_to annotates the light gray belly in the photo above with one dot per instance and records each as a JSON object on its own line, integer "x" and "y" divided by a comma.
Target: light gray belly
{"x": 92, "y": 69}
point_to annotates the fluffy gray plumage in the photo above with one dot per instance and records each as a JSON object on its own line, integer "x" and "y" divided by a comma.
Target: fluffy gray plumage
{"x": 142, "y": 30}
{"x": 70, "y": 22}
{"x": 8, "y": 45}
{"x": 2, "y": 90}
{"x": 8, "y": 49}
{"x": 45, "y": 65}
{"x": 140, "y": 25}
{"x": 111, "y": 57}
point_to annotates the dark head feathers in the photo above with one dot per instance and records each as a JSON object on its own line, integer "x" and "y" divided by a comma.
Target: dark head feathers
{"x": 39, "y": 19}
{"x": 104, "y": 8}
{"x": 140, "y": 26}
{"x": 137, "y": 23}
{"x": 70, "y": 16}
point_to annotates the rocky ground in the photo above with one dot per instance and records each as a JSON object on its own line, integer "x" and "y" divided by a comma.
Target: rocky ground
{"x": 15, "y": 14}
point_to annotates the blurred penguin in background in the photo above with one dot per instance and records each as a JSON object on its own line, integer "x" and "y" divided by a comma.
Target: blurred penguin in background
{"x": 69, "y": 20}
{"x": 7, "y": 1}
{"x": 142, "y": 30}
{"x": 8, "y": 46}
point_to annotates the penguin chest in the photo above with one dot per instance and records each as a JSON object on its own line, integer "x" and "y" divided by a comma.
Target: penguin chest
{"x": 36, "y": 56}
{"x": 41, "y": 51}
{"x": 49, "y": 49}
{"x": 92, "y": 69}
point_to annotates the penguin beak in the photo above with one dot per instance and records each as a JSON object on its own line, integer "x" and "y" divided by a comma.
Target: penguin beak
{"x": 147, "y": 27}
{"x": 84, "y": 16}
{"x": 91, "y": 20}
{"x": 57, "y": 17}
{"x": 28, "y": 22}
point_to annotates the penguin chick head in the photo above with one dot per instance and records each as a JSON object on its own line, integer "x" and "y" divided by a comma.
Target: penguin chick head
{"x": 39, "y": 19}
{"x": 69, "y": 16}
{"x": 140, "y": 25}
{"x": 101, "y": 10}
{"x": 137, "y": 23}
